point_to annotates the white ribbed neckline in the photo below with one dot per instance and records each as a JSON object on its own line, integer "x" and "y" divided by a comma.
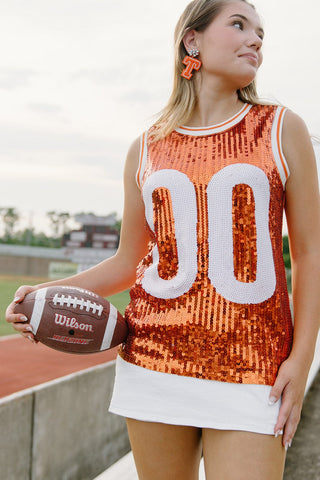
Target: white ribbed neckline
{"x": 221, "y": 127}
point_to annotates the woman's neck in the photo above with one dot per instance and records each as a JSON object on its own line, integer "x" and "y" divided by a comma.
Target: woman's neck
{"x": 214, "y": 105}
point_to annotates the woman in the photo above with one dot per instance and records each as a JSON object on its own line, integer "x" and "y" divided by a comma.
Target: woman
{"x": 212, "y": 363}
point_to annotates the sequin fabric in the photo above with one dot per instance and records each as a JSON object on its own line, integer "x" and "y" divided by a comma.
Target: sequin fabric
{"x": 200, "y": 333}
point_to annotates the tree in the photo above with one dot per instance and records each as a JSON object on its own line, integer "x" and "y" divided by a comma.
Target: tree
{"x": 286, "y": 252}
{"x": 10, "y": 217}
{"x": 53, "y": 217}
{"x": 59, "y": 222}
{"x": 64, "y": 218}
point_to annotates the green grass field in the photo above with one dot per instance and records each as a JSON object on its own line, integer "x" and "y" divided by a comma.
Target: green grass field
{"x": 8, "y": 286}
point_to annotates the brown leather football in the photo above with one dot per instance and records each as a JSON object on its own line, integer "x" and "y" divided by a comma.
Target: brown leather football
{"x": 73, "y": 320}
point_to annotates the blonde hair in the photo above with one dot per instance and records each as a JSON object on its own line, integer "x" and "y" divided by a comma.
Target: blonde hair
{"x": 197, "y": 16}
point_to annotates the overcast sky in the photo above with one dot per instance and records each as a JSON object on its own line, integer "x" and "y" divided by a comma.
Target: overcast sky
{"x": 81, "y": 79}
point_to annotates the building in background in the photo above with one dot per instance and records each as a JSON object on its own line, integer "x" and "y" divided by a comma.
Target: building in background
{"x": 96, "y": 240}
{"x": 95, "y": 232}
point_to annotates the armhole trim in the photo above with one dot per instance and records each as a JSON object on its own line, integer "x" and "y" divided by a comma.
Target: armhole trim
{"x": 276, "y": 137}
{"x": 142, "y": 159}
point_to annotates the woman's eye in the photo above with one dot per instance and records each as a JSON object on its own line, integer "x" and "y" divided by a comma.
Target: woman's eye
{"x": 238, "y": 24}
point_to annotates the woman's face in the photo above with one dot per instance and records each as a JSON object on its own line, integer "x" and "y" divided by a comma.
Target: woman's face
{"x": 230, "y": 47}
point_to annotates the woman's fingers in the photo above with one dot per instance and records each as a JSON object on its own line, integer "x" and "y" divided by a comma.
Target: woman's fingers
{"x": 289, "y": 418}
{"x": 19, "y": 321}
{"x": 290, "y": 388}
{"x": 15, "y": 319}
{"x": 277, "y": 391}
{"x": 22, "y": 291}
{"x": 21, "y": 325}
{"x": 11, "y": 316}
{"x": 291, "y": 425}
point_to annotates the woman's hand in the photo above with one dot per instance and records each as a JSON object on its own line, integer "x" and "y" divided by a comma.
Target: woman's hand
{"x": 19, "y": 321}
{"x": 290, "y": 383}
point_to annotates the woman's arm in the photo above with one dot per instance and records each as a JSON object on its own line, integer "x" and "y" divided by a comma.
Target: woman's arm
{"x": 118, "y": 272}
{"x": 303, "y": 219}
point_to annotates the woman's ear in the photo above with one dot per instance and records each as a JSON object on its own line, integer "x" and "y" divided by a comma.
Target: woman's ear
{"x": 189, "y": 40}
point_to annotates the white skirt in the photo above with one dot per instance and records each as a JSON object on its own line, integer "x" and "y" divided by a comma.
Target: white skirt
{"x": 178, "y": 400}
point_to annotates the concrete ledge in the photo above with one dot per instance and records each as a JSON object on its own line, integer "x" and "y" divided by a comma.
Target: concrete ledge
{"x": 16, "y": 418}
{"x": 62, "y": 429}
{"x": 74, "y": 436}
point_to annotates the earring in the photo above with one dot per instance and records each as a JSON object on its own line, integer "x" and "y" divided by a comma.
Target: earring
{"x": 191, "y": 63}
{"x": 194, "y": 52}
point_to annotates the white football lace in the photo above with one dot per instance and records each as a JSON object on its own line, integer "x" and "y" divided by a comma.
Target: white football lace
{"x": 75, "y": 302}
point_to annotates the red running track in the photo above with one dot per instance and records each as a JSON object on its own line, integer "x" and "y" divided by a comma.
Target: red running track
{"x": 24, "y": 365}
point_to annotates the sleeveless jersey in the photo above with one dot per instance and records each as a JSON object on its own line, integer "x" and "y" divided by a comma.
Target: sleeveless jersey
{"x": 210, "y": 300}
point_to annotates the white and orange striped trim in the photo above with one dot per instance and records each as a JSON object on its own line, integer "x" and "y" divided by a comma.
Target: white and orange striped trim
{"x": 276, "y": 139}
{"x": 221, "y": 127}
{"x": 142, "y": 158}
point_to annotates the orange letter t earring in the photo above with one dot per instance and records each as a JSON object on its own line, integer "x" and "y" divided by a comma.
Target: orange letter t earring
{"x": 191, "y": 63}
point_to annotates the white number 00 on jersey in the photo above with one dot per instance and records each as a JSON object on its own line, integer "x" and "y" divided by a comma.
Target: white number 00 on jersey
{"x": 221, "y": 259}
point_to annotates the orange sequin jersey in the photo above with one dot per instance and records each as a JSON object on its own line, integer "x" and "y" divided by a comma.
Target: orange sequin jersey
{"x": 210, "y": 300}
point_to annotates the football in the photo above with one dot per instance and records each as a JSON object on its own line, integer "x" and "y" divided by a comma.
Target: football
{"x": 73, "y": 320}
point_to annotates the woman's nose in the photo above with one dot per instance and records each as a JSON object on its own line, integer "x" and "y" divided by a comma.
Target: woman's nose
{"x": 255, "y": 41}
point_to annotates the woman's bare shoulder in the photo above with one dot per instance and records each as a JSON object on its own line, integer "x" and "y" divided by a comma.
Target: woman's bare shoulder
{"x": 296, "y": 142}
